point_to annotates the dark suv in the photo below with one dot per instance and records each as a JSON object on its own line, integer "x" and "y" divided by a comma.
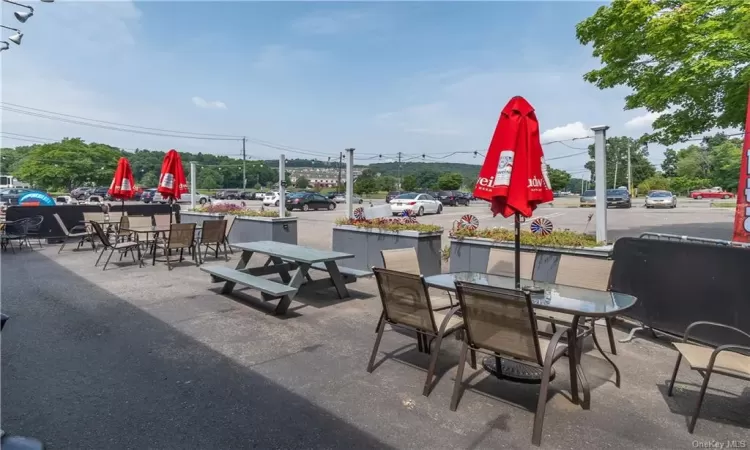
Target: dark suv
{"x": 618, "y": 198}
{"x": 452, "y": 198}
{"x": 391, "y": 195}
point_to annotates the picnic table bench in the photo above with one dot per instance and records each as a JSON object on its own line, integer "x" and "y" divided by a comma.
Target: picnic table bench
{"x": 282, "y": 260}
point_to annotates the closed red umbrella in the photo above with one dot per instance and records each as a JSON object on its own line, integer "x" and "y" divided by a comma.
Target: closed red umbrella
{"x": 123, "y": 184}
{"x": 172, "y": 183}
{"x": 514, "y": 176}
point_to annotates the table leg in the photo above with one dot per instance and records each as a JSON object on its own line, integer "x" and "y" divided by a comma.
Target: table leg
{"x": 298, "y": 279}
{"x": 573, "y": 372}
{"x": 283, "y": 273}
{"x": 244, "y": 260}
{"x": 337, "y": 279}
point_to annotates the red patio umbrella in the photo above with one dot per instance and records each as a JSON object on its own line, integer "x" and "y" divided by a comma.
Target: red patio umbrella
{"x": 172, "y": 183}
{"x": 514, "y": 175}
{"x": 123, "y": 184}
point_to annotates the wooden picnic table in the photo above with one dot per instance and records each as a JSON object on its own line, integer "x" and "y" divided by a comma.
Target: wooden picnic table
{"x": 283, "y": 259}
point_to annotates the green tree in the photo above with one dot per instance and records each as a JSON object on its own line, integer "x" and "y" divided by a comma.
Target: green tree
{"x": 725, "y": 165}
{"x": 427, "y": 179}
{"x": 655, "y": 183}
{"x": 208, "y": 178}
{"x": 693, "y": 162}
{"x": 683, "y": 185}
{"x": 559, "y": 179}
{"x": 302, "y": 182}
{"x": 450, "y": 181}
{"x": 69, "y": 163}
{"x": 366, "y": 183}
{"x": 149, "y": 179}
{"x": 669, "y": 165}
{"x": 617, "y": 161}
{"x": 685, "y": 59}
{"x": 409, "y": 183}
{"x": 386, "y": 183}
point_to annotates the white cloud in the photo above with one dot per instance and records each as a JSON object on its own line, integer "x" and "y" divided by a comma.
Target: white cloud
{"x": 201, "y": 103}
{"x": 569, "y": 131}
{"x": 642, "y": 121}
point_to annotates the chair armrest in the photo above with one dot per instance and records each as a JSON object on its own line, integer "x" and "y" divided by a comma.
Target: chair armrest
{"x": 77, "y": 228}
{"x": 741, "y": 349}
{"x": 711, "y": 324}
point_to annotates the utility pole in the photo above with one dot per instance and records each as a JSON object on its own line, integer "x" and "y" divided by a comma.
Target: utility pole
{"x": 341, "y": 157}
{"x": 614, "y": 182}
{"x": 630, "y": 175}
{"x": 244, "y": 171}
{"x": 399, "y": 171}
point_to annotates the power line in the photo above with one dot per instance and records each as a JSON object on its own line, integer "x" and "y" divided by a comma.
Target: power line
{"x": 163, "y": 130}
{"x": 26, "y": 136}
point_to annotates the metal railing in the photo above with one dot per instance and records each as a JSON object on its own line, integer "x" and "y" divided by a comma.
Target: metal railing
{"x": 697, "y": 240}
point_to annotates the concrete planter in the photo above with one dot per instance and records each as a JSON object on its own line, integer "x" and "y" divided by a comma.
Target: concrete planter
{"x": 249, "y": 229}
{"x": 472, "y": 255}
{"x": 366, "y": 243}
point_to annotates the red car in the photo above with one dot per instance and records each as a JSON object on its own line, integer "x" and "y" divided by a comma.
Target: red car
{"x": 711, "y": 193}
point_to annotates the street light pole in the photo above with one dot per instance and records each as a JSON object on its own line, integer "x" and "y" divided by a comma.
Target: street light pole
{"x": 244, "y": 171}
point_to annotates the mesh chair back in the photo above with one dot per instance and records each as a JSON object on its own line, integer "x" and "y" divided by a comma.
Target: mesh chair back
{"x": 163, "y": 220}
{"x": 230, "y": 221}
{"x": 499, "y": 320}
{"x": 124, "y": 223}
{"x": 61, "y": 224}
{"x": 140, "y": 221}
{"x": 100, "y": 233}
{"x": 181, "y": 235}
{"x": 405, "y": 299}
{"x": 588, "y": 273}
{"x": 19, "y": 228}
{"x": 213, "y": 231}
{"x": 93, "y": 216}
{"x": 114, "y": 217}
{"x": 35, "y": 224}
{"x": 503, "y": 262}
{"x": 401, "y": 260}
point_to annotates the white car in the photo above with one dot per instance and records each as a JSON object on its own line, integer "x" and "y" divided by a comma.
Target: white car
{"x": 415, "y": 203}
{"x": 200, "y": 199}
{"x": 271, "y": 198}
{"x": 342, "y": 199}
{"x": 65, "y": 200}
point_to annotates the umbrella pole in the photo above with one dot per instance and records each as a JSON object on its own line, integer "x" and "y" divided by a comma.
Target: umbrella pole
{"x": 518, "y": 250}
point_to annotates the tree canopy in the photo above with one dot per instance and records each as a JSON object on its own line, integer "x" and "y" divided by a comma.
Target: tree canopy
{"x": 687, "y": 60}
{"x": 617, "y": 161}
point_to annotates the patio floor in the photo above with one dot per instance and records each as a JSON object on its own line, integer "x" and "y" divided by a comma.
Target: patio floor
{"x": 148, "y": 358}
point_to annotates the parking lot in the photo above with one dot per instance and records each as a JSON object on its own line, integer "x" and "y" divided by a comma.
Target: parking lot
{"x": 691, "y": 217}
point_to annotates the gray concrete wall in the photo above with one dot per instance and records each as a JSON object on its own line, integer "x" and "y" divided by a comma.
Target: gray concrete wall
{"x": 251, "y": 229}
{"x": 472, "y": 255}
{"x": 366, "y": 246}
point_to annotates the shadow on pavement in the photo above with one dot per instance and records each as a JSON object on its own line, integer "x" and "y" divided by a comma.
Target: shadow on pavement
{"x": 84, "y": 369}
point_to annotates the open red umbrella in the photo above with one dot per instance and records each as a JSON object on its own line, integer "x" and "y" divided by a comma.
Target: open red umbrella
{"x": 514, "y": 175}
{"x": 123, "y": 184}
{"x": 172, "y": 183}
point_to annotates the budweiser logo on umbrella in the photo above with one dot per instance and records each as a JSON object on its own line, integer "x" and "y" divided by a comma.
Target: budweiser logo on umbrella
{"x": 514, "y": 176}
{"x": 172, "y": 183}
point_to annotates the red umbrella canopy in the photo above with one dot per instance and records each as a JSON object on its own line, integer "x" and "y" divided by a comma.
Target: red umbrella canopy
{"x": 514, "y": 175}
{"x": 172, "y": 183}
{"x": 123, "y": 184}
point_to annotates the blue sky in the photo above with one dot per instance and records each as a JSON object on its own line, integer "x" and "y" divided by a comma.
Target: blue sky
{"x": 423, "y": 77}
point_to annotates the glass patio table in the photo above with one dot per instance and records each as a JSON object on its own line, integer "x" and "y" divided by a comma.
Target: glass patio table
{"x": 575, "y": 301}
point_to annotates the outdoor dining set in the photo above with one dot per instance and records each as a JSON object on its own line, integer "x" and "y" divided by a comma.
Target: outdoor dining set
{"x": 142, "y": 235}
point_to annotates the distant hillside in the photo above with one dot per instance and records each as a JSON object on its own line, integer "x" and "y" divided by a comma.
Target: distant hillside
{"x": 468, "y": 171}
